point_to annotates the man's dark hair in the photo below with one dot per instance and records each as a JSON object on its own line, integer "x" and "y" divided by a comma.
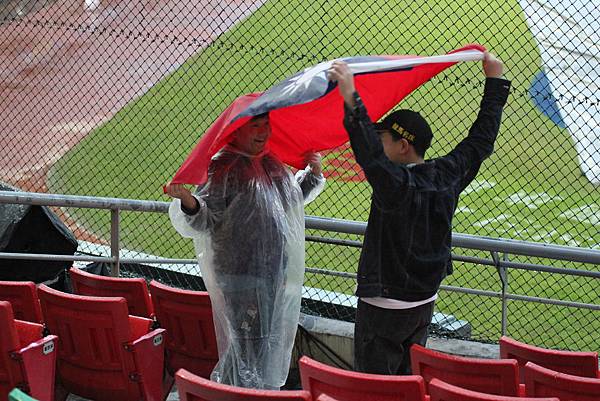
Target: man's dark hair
{"x": 409, "y": 125}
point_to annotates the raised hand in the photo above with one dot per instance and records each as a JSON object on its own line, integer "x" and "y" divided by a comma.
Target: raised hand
{"x": 340, "y": 73}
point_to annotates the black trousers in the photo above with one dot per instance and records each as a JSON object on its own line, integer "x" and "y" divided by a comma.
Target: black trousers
{"x": 249, "y": 305}
{"x": 383, "y": 337}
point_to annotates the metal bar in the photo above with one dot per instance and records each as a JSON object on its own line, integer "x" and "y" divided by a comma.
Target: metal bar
{"x": 473, "y": 259}
{"x": 93, "y": 202}
{"x": 557, "y": 302}
{"x": 336, "y": 225}
{"x": 90, "y": 258}
{"x": 334, "y": 241}
{"x": 551, "y": 269}
{"x": 149, "y": 261}
{"x": 56, "y": 258}
{"x": 504, "y": 273}
{"x": 114, "y": 242}
{"x": 504, "y": 282}
{"x": 331, "y": 273}
{"x": 471, "y": 291}
{"x": 493, "y": 294}
{"x": 528, "y": 266}
{"x": 515, "y": 247}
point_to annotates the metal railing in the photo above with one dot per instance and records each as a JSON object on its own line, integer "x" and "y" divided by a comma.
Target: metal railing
{"x": 496, "y": 247}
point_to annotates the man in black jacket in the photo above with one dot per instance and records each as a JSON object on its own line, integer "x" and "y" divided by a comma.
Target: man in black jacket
{"x": 406, "y": 251}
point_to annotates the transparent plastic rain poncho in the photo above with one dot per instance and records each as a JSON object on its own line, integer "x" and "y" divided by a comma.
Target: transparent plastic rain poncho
{"x": 249, "y": 239}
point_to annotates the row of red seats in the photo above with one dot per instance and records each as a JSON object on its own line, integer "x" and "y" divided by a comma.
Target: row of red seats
{"x": 522, "y": 377}
{"x": 499, "y": 377}
{"x": 106, "y": 352}
{"x": 186, "y": 315}
{"x": 437, "y": 377}
{"x": 325, "y": 383}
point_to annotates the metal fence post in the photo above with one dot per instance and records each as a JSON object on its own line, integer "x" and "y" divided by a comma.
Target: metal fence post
{"x": 505, "y": 258}
{"x": 502, "y": 273}
{"x": 114, "y": 241}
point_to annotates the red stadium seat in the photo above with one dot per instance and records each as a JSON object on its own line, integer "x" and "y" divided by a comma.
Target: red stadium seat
{"x": 195, "y": 388}
{"x": 24, "y": 300}
{"x": 346, "y": 385}
{"x": 187, "y": 316}
{"x": 134, "y": 290}
{"x": 544, "y": 382}
{"x": 574, "y": 363}
{"x": 442, "y": 391}
{"x": 27, "y": 360}
{"x": 104, "y": 353}
{"x": 493, "y": 376}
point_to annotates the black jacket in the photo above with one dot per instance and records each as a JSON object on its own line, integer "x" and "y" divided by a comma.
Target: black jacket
{"x": 406, "y": 250}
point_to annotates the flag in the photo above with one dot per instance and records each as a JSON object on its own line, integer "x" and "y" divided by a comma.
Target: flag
{"x": 306, "y": 110}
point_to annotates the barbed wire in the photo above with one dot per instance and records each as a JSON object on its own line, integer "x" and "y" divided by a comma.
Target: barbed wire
{"x": 166, "y": 38}
{"x": 447, "y": 81}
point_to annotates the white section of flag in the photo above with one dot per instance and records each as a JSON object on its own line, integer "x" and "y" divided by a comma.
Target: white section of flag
{"x": 384, "y": 65}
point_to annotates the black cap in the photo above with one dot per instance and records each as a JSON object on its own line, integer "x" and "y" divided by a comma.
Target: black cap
{"x": 409, "y": 125}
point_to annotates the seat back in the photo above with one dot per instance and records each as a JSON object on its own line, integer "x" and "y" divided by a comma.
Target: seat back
{"x": 10, "y": 372}
{"x": 442, "y": 391}
{"x": 134, "y": 290}
{"x": 493, "y": 376}
{"x": 27, "y": 359}
{"x": 94, "y": 333}
{"x": 24, "y": 300}
{"x": 544, "y": 382}
{"x": 187, "y": 317}
{"x": 574, "y": 363}
{"x": 346, "y": 385}
{"x": 195, "y": 388}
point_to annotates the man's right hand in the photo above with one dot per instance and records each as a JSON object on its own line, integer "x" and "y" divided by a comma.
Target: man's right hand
{"x": 179, "y": 191}
{"x": 492, "y": 66}
{"x": 340, "y": 73}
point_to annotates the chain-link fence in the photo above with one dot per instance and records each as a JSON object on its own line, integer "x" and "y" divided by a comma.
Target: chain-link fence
{"x": 107, "y": 98}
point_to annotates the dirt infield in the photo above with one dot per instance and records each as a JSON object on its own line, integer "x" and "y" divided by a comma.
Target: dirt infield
{"x": 68, "y": 67}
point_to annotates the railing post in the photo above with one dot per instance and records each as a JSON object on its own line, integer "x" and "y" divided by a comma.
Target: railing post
{"x": 502, "y": 273}
{"x": 114, "y": 241}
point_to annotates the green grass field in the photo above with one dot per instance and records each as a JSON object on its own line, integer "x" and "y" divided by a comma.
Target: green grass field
{"x": 530, "y": 189}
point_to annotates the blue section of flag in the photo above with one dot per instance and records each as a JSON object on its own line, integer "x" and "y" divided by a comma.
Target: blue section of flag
{"x": 541, "y": 94}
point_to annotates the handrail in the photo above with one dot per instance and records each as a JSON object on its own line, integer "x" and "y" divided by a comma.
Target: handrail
{"x": 467, "y": 241}
{"x": 90, "y": 202}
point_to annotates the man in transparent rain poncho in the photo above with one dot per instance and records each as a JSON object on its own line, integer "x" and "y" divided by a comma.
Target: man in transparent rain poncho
{"x": 247, "y": 223}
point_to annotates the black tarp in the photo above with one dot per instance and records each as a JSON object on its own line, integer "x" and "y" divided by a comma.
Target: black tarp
{"x": 32, "y": 229}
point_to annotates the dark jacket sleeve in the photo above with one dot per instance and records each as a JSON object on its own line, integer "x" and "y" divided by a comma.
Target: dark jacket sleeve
{"x": 385, "y": 177}
{"x": 466, "y": 158}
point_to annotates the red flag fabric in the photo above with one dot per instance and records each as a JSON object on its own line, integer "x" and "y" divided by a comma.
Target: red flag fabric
{"x": 306, "y": 110}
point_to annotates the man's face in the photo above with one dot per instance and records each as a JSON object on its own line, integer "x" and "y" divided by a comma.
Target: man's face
{"x": 391, "y": 148}
{"x": 252, "y": 137}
